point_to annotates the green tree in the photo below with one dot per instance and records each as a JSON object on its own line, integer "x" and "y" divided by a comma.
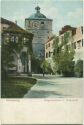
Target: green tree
{"x": 63, "y": 55}
{"x": 6, "y": 59}
{"x": 9, "y": 48}
{"x": 46, "y": 67}
{"x": 36, "y": 65}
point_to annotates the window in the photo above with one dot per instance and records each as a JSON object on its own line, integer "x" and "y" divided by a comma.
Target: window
{"x": 4, "y": 28}
{"x": 49, "y": 54}
{"x": 24, "y": 40}
{"x": 82, "y": 29}
{"x": 16, "y": 39}
{"x": 46, "y": 55}
{"x": 48, "y": 37}
{"x": 82, "y": 42}
{"x": 74, "y": 45}
{"x": 7, "y": 39}
{"x": 12, "y": 39}
{"x": 29, "y": 24}
{"x": 42, "y": 22}
{"x": 62, "y": 38}
{"x": 49, "y": 45}
{"x": 79, "y": 44}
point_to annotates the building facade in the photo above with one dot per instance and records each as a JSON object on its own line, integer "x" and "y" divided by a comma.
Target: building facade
{"x": 76, "y": 41}
{"x": 21, "y": 41}
{"x": 41, "y": 27}
{"x": 49, "y": 51}
{"x": 78, "y": 44}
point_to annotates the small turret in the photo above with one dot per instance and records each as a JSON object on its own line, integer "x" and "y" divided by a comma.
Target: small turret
{"x": 37, "y": 9}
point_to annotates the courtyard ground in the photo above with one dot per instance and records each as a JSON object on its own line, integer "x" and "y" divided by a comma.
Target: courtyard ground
{"x": 55, "y": 86}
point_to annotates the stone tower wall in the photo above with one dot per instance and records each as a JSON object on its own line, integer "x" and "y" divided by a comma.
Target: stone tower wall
{"x": 42, "y": 30}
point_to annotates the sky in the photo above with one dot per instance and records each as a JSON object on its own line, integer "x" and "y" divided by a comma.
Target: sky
{"x": 63, "y": 12}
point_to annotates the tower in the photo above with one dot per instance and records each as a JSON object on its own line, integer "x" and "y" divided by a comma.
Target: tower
{"x": 41, "y": 27}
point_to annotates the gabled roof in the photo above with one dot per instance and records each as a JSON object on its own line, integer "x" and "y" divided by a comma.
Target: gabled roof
{"x": 14, "y": 28}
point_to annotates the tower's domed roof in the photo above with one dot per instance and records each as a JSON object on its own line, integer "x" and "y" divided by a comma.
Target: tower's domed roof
{"x": 37, "y": 15}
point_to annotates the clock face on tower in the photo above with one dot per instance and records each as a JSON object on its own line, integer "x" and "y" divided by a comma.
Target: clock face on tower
{"x": 35, "y": 24}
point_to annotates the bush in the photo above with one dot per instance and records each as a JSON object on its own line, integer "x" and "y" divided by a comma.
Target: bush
{"x": 78, "y": 69}
{"x": 68, "y": 69}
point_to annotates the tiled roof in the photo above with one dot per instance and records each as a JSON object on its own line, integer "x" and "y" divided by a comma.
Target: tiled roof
{"x": 13, "y": 27}
{"x": 67, "y": 28}
{"x": 5, "y": 21}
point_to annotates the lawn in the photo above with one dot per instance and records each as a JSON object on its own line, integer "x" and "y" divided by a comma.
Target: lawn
{"x": 16, "y": 87}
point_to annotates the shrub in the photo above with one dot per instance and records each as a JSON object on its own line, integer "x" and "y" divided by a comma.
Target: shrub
{"x": 78, "y": 69}
{"x": 68, "y": 69}
{"x": 46, "y": 67}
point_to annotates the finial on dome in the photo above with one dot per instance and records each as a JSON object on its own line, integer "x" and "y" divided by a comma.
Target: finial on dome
{"x": 37, "y": 9}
